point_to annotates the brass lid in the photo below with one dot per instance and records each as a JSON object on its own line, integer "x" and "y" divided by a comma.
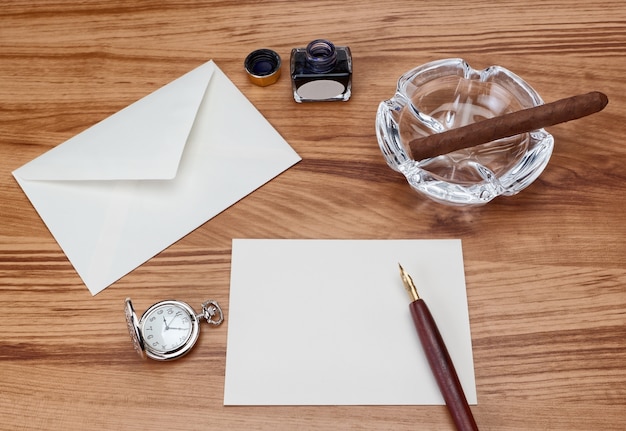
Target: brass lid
{"x": 263, "y": 67}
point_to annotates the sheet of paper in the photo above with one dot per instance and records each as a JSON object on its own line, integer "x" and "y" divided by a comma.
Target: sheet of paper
{"x": 326, "y": 322}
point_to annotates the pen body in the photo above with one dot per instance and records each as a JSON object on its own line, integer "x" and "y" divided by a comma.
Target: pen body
{"x": 442, "y": 366}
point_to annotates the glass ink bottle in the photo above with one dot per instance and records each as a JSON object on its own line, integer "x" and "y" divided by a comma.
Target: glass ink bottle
{"x": 321, "y": 72}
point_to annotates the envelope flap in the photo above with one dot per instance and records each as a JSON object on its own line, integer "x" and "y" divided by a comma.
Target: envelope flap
{"x": 145, "y": 140}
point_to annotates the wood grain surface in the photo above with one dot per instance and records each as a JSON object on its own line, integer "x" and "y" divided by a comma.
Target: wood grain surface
{"x": 545, "y": 269}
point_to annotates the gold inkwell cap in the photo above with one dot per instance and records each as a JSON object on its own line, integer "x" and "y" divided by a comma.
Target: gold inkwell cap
{"x": 263, "y": 67}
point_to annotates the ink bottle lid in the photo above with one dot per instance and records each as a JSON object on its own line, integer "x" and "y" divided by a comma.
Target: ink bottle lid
{"x": 263, "y": 67}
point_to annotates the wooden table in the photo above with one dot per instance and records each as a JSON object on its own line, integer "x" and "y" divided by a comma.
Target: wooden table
{"x": 545, "y": 269}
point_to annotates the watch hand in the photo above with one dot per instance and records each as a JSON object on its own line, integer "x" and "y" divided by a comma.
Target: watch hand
{"x": 180, "y": 329}
{"x": 166, "y": 325}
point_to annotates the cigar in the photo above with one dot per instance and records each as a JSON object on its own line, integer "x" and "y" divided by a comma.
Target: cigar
{"x": 514, "y": 123}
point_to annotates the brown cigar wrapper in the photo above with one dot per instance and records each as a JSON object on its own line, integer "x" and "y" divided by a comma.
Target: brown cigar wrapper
{"x": 526, "y": 120}
{"x": 442, "y": 366}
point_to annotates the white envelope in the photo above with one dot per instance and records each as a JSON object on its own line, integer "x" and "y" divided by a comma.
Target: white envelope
{"x": 123, "y": 190}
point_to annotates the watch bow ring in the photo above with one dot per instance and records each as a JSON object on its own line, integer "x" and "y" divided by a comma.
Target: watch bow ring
{"x": 169, "y": 329}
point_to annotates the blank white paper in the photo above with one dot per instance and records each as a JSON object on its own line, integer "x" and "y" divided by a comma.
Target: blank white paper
{"x": 327, "y": 322}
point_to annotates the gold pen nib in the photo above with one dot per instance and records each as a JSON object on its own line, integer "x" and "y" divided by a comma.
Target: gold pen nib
{"x": 408, "y": 284}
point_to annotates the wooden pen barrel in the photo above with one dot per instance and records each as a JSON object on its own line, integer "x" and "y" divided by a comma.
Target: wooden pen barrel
{"x": 442, "y": 366}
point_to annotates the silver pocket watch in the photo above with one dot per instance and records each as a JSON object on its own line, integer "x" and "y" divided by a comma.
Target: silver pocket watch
{"x": 169, "y": 329}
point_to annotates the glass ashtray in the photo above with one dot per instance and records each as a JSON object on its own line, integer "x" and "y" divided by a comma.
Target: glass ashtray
{"x": 446, "y": 94}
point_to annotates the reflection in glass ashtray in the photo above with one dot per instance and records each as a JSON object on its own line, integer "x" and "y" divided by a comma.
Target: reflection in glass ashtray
{"x": 446, "y": 94}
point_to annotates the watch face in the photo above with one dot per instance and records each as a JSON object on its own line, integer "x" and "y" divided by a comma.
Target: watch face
{"x": 169, "y": 329}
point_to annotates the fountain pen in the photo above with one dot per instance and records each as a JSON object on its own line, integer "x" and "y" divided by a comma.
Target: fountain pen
{"x": 438, "y": 358}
